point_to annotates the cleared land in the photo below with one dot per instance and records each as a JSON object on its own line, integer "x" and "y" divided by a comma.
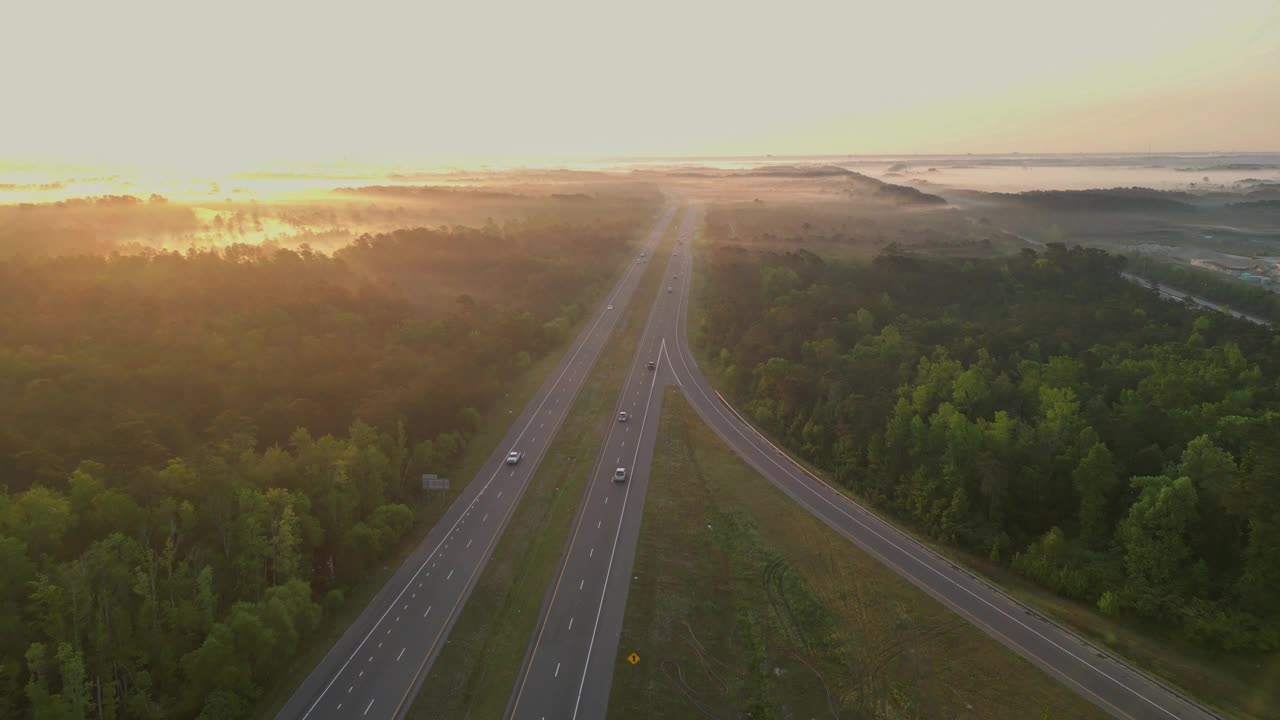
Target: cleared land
{"x": 745, "y": 605}
{"x": 477, "y": 668}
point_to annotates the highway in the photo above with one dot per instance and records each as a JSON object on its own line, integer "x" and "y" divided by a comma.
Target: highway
{"x": 375, "y": 669}
{"x": 1091, "y": 671}
{"x": 568, "y": 666}
{"x": 1170, "y": 293}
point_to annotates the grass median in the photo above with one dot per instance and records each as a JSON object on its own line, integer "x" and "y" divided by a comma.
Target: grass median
{"x": 746, "y": 605}
{"x": 476, "y": 669}
{"x": 494, "y": 425}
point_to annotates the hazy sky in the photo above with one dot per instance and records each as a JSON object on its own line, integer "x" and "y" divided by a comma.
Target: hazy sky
{"x": 213, "y": 86}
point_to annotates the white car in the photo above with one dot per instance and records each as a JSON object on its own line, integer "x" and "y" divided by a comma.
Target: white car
{"x": 514, "y": 457}
{"x": 622, "y": 416}
{"x": 668, "y": 288}
{"x": 610, "y": 307}
{"x": 620, "y": 475}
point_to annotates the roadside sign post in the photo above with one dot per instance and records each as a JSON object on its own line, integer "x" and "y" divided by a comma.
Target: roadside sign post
{"x": 434, "y": 482}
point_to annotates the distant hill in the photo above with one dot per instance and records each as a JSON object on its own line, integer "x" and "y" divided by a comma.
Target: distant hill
{"x": 860, "y": 186}
{"x": 1264, "y": 191}
{"x": 798, "y": 171}
{"x": 1256, "y": 205}
{"x": 423, "y": 191}
{"x": 1231, "y": 166}
{"x": 1105, "y": 200}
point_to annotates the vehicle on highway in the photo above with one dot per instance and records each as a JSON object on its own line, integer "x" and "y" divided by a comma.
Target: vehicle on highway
{"x": 514, "y": 457}
{"x": 620, "y": 475}
{"x": 652, "y": 364}
{"x": 622, "y": 416}
{"x": 668, "y": 288}
{"x": 610, "y": 307}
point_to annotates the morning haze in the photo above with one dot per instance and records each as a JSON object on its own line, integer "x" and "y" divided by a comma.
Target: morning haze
{"x": 407, "y": 361}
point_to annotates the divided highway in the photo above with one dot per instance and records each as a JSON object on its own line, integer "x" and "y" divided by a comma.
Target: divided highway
{"x": 377, "y": 666}
{"x": 568, "y": 667}
{"x": 1115, "y": 687}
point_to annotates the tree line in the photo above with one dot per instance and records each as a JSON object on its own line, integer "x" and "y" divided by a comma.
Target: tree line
{"x": 1036, "y": 409}
{"x": 200, "y": 452}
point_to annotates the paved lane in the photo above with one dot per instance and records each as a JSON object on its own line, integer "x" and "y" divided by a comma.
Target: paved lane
{"x": 1115, "y": 687}
{"x": 568, "y": 666}
{"x": 375, "y": 669}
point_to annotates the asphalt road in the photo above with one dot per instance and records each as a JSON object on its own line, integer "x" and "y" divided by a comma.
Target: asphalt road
{"x": 568, "y": 666}
{"x": 1089, "y": 670}
{"x": 1175, "y": 294}
{"x": 377, "y": 666}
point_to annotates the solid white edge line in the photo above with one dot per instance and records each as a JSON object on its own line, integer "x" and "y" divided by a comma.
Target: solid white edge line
{"x": 663, "y": 221}
{"x": 908, "y": 553}
{"x": 622, "y": 514}
{"x": 542, "y": 621}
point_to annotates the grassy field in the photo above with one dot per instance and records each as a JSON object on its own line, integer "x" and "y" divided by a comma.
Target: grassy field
{"x": 745, "y": 605}
{"x": 474, "y": 674}
{"x": 494, "y": 426}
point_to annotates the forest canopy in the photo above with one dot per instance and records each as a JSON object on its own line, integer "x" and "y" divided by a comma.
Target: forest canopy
{"x": 200, "y": 451}
{"x": 1036, "y": 409}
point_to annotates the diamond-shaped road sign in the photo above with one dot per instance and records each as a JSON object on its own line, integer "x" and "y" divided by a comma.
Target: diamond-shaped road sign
{"x": 633, "y": 658}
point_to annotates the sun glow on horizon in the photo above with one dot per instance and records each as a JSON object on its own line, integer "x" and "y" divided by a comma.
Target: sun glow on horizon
{"x": 256, "y": 87}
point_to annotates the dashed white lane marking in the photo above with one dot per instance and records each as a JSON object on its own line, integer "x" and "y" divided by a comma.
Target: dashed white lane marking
{"x": 405, "y": 606}
{"x": 592, "y": 553}
{"x": 624, "y": 443}
{"x": 379, "y": 644}
{"x": 557, "y": 670}
{"x": 598, "y": 524}
{"x": 400, "y": 655}
{"x": 366, "y": 709}
{"x": 499, "y": 494}
{"x": 349, "y": 688}
{"x": 413, "y": 596}
{"x": 419, "y": 585}
{"x": 579, "y": 587}
{"x": 388, "y": 631}
{"x": 340, "y": 707}
{"x": 361, "y": 674}
{"x": 449, "y": 576}
{"x": 428, "y": 612}
{"x": 370, "y": 658}
{"x": 570, "y": 623}
{"x": 606, "y": 499}
{"x": 397, "y": 618}
{"x": 486, "y": 517}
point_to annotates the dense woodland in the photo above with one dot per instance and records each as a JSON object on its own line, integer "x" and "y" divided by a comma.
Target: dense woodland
{"x": 1036, "y": 409}
{"x": 199, "y": 452}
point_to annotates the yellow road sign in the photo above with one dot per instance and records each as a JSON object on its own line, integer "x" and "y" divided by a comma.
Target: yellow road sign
{"x": 633, "y": 658}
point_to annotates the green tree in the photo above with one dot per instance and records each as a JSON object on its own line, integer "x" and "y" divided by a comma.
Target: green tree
{"x": 1096, "y": 479}
{"x": 1156, "y": 544}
